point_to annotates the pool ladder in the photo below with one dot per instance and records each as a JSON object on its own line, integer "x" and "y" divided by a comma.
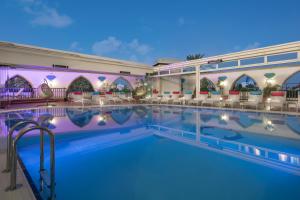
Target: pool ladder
{"x": 11, "y": 155}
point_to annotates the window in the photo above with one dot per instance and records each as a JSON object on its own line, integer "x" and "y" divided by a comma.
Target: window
{"x": 80, "y": 84}
{"x": 245, "y": 83}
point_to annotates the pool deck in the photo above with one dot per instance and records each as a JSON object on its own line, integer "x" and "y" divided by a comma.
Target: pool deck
{"x": 22, "y": 193}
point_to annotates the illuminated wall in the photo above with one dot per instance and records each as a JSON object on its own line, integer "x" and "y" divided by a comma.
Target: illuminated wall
{"x": 63, "y": 79}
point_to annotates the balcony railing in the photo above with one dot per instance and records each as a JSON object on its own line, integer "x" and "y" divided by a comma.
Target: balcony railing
{"x": 9, "y": 94}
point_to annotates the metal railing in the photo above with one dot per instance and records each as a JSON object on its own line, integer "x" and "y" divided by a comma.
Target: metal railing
{"x": 29, "y": 93}
{"x": 10, "y": 141}
{"x": 11, "y": 164}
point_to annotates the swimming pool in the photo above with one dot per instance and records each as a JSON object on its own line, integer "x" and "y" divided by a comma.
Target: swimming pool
{"x": 166, "y": 152}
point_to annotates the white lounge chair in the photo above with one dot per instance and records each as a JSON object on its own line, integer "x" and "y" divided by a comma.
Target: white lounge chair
{"x": 254, "y": 99}
{"x": 112, "y": 99}
{"x": 175, "y": 96}
{"x": 203, "y": 95}
{"x": 81, "y": 97}
{"x": 277, "y": 99}
{"x": 156, "y": 97}
{"x": 99, "y": 98}
{"x": 295, "y": 104}
{"x": 233, "y": 98}
{"x": 214, "y": 99}
{"x": 187, "y": 96}
{"x": 126, "y": 98}
{"x": 166, "y": 98}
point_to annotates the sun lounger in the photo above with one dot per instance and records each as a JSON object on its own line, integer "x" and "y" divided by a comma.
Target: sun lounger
{"x": 214, "y": 99}
{"x": 203, "y": 95}
{"x": 233, "y": 98}
{"x": 254, "y": 99}
{"x": 277, "y": 99}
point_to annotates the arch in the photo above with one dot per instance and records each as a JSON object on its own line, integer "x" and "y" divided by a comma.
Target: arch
{"x": 292, "y": 82}
{"x": 79, "y": 117}
{"x": 122, "y": 115}
{"x": 16, "y": 82}
{"x": 207, "y": 85}
{"x": 244, "y": 83}
{"x": 80, "y": 84}
{"x": 122, "y": 84}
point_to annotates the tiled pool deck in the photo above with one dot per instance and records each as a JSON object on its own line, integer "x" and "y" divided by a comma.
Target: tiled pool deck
{"x": 22, "y": 193}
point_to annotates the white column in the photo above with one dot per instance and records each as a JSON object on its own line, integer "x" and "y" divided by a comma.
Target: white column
{"x": 159, "y": 85}
{"x": 198, "y": 126}
{"x": 197, "y": 79}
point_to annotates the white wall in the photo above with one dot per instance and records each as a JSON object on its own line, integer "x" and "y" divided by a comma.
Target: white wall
{"x": 170, "y": 84}
{"x": 189, "y": 82}
{"x": 257, "y": 74}
{"x": 63, "y": 79}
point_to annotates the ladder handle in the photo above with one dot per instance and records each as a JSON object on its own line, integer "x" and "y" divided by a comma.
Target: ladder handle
{"x": 13, "y": 175}
{"x": 10, "y": 141}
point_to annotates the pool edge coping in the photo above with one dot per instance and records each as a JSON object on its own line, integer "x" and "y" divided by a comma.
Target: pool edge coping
{"x": 173, "y": 105}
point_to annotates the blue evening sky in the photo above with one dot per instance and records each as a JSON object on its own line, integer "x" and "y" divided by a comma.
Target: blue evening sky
{"x": 144, "y": 31}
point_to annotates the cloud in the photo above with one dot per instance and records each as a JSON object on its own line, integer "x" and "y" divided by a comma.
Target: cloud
{"x": 111, "y": 44}
{"x": 139, "y": 48}
{"x": 75, "y": 47}
{"x": 252, "y": 46}
{"x": 133, "y": 50}
{"x": 44, "y": 15}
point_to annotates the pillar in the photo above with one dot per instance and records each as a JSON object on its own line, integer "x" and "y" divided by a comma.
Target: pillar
{"x": 197, "y": 81}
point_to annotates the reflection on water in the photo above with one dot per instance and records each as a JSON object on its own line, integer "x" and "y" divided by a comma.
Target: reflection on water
{"x": 268, "y": 139}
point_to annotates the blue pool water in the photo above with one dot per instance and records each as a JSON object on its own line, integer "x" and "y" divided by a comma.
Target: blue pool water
{"x": 160, "y": 152}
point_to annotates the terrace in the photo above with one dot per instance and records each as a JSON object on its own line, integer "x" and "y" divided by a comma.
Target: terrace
{"x": 239, "y": 109}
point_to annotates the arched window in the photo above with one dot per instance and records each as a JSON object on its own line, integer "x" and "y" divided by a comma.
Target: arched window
{"x": 122, "y": 85}
{"x": 17, "y": 82}
{"x": 207, "y": 85}
{"x": 292, "y": 82}
{"x": 80, "y": 84}
{"x": 245, "y": 83}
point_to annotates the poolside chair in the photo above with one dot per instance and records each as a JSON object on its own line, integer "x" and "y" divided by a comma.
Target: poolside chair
{"x": 166, "y": 98}
{"x": 111, "y": 98}
{"x": 175, "y": 96}
{"x": 127, "y": 99}
{"x": 156, "y": 97}
{"x": 295, "y": 104}
{"x": 254, "y": 99}
{"x": 187, "y": 95}
{"x": 277, "y": 99}
{"x": 81, "y": 97}
{"x": 203, "y": 95}
{"x": 147, "y": 99}
{"x": 233, "y": 98}
{"x": 99, "y": 98}
{"x": 214, "y": 99}
{"x": 95, "y": 97}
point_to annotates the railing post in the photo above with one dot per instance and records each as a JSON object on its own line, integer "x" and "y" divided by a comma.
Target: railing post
{"x": 42, "y": 168}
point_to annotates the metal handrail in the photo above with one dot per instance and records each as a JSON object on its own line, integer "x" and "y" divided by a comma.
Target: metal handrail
{"x": 13, "y": 175}
{"x": 9, "y": 141}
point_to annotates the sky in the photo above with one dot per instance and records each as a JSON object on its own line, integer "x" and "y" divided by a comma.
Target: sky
{"x": 144, "y": 31}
